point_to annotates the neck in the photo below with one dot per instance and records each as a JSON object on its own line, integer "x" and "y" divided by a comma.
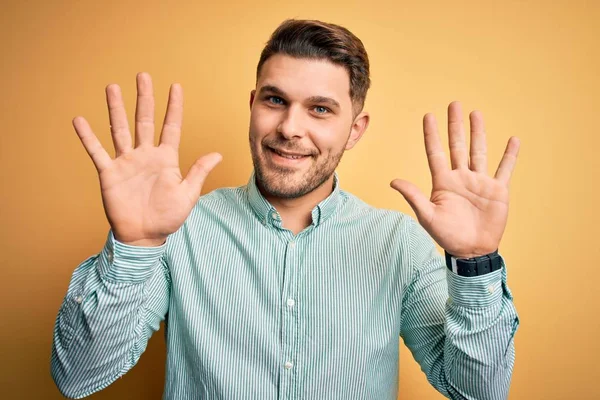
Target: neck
{"x": 296, "y": 214}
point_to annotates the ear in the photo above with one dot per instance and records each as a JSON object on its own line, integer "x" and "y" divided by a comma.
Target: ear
{"x": 252, "y": 94}
{"x": 359, "y": 126}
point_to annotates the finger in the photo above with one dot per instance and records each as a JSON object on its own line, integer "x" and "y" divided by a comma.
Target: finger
{"x": 171, "y": 131}
{"x": 433, "y": 147}
{"x": 418, "y": 202}
{"x": 478, "y": 152}
{"x": 92, "y": 145}
{"x": 144, "y": 111}
{"x": 199, "y": 171}
{"x": 509, "y": 160}
{"x": 456, "y": 136}
{"x": 119, "y": 127}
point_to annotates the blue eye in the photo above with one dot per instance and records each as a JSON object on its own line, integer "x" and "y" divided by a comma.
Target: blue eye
{"x": 275, "y": 100}
{"x": 321, "y": 110}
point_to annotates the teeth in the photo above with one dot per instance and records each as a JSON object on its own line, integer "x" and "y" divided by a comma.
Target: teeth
{"x": 290, "y": 157}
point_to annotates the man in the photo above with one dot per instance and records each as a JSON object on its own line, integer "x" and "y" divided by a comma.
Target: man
{"x": 289, "y": 287}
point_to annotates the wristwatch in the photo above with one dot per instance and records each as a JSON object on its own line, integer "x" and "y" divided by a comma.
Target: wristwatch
{"x": 474, "y": 266}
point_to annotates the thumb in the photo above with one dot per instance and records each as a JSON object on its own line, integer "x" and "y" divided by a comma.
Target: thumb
{"x": 199, "y": 171}
{"x": 417, "y": 200}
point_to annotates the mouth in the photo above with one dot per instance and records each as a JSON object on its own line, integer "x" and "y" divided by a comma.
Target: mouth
{"x": 286, "y": 157}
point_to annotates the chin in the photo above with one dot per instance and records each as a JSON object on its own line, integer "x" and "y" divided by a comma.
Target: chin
{"x": 287, "y": 183}
{"x": 289, "y": 180}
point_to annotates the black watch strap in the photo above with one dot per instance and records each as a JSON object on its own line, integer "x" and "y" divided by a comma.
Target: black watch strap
{"x": 474, "y": 266}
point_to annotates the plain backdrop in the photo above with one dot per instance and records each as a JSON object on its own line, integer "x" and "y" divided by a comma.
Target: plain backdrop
{"x": 531, "y": 67}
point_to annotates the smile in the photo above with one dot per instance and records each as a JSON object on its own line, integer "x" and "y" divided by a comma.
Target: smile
{"x": 287, "y": 159}
{"x": 289, "y": 156}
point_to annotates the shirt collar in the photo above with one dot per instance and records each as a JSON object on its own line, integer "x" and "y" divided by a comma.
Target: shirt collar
{"x": 266, "y": 213}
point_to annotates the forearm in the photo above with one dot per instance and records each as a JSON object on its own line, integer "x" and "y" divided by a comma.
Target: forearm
{"x": 107, "y": 318}
{"x": 459, "y": 329}
{"x": 481, "y": 322}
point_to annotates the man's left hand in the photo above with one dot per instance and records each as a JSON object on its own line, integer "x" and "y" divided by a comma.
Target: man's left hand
{"x": 467, "y": 211}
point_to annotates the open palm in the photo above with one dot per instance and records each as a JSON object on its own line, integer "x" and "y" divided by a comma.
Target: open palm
{"x": 467, "y": 211}
{"x": 144, "y": 194}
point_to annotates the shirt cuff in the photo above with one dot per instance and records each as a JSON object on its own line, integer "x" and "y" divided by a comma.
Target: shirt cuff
{"x": 123, "y": 263}
{"x": 477, "y": 291}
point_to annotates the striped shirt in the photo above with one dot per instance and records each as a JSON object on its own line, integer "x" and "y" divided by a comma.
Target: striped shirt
{"x": 253, "y": 311}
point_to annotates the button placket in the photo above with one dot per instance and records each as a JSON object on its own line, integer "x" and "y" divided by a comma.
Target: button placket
{"x": 290, "y": 319}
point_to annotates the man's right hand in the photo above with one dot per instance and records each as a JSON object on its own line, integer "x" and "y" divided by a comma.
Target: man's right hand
{"x": 144, "y": 195}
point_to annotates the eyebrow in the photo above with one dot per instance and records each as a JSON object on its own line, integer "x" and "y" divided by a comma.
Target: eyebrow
{"x": 313, "y": 99}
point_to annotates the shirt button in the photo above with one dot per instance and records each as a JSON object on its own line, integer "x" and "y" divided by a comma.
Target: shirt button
{"x": 274, "y": 215}
{"x": 292, "y": 244}
{"x": 291, "y": 302}
{"x": 288, "y": 365}
{"x": 110, "y": 258}
{"x": 491, "y": 289}
{"x": 78, "y": 299}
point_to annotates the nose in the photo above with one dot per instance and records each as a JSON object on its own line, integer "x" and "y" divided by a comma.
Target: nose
{"x": 290, "y": 125}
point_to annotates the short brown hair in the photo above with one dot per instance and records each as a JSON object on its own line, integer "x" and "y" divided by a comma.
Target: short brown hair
{"x": 319, "y": 40}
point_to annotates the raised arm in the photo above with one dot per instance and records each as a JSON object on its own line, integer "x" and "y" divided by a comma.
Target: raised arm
{"x": 460, "y": 329}
{"x": 117, "y": 298}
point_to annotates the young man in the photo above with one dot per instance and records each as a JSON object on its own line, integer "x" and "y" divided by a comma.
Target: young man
{"x": 289, "y": 287}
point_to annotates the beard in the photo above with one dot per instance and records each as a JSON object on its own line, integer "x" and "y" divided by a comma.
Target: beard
{"x": 291, "y": 183}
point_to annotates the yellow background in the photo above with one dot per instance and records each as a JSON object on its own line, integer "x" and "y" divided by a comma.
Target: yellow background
{"x": 531, "y": 67}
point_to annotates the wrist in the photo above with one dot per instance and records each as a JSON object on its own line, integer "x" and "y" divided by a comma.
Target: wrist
{"x": 141, "y": 242}
{"x": 146, "y": 242}
{"x": 471, "y": 254}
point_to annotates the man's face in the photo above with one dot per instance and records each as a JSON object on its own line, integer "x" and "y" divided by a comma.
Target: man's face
{"x": 301, "y": 123}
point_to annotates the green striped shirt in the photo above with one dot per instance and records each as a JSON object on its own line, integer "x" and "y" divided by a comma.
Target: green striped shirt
{"x": 253, "y": 311}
